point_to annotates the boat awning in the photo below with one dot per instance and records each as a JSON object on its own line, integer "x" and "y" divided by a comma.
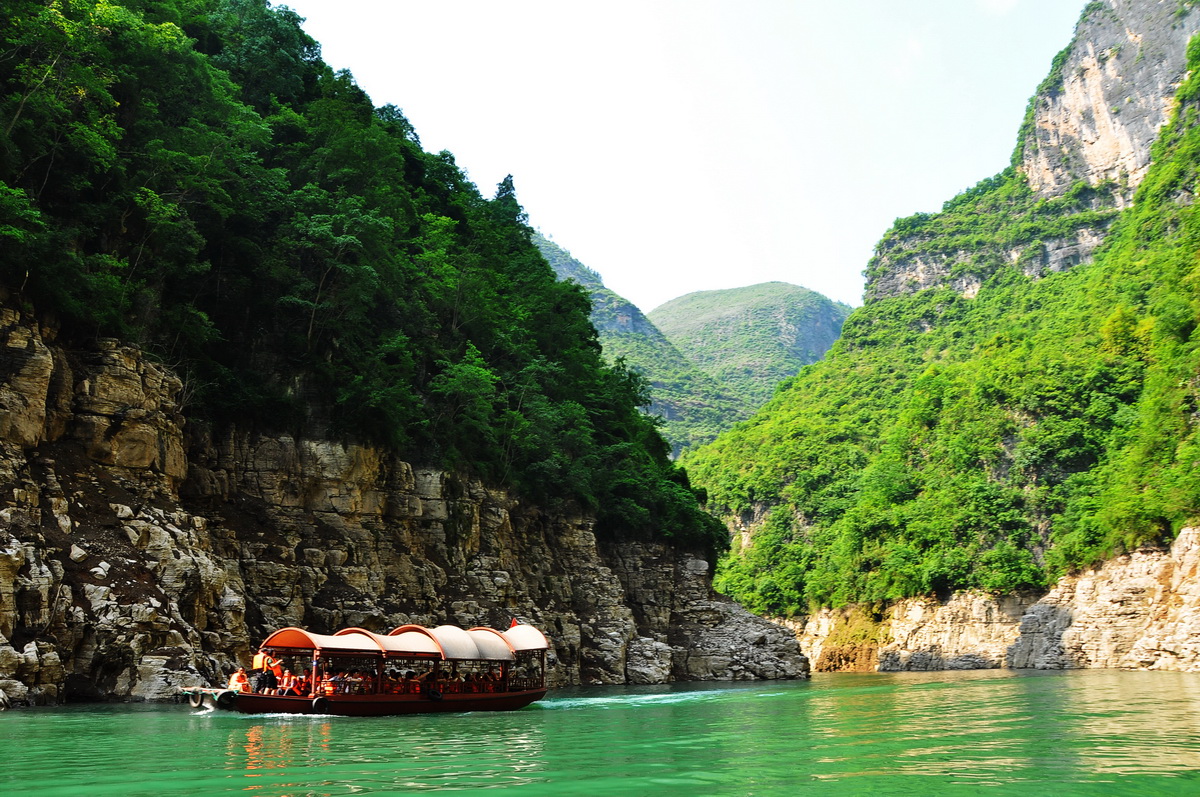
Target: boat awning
{"x": 446, "y": 642}
{"x": 349, "y": 641}
{"x": 414, "y": 640}
{"x": 400, "y": 645}
{"x": 492, "y": 645}
{"x": 526, "y": 637}
{"x": 456, "y": 643}
{"x": 452, "y": 643}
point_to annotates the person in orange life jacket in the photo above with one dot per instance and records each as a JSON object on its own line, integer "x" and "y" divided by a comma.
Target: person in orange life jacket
{"x": 266, "y": 683}
{"x": 239, "y": 681}
{"x": 265, "y": 661}
{"x": 287, "y": 683}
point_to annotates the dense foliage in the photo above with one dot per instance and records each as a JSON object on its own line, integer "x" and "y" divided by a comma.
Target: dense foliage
{"x": 190, "y": 176}
{"x": 752, "y": 338}
{"x": 991, "y": 442}
{"x": 692, "y": 406}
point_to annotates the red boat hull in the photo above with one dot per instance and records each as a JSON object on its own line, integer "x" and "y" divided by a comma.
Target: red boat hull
{"x": 384, "y": 705}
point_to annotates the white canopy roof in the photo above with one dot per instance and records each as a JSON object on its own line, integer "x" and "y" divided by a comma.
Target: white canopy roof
{"x": 446, "y": 642}
{"x": 526, "y": 637}
{"x": 492, "y": 645}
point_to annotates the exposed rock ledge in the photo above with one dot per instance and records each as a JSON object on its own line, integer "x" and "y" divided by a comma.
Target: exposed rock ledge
{"x": 1139, "y": 611}
{"x": 132, "y": 562}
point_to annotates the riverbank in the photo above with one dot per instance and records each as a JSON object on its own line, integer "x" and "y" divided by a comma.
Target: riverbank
{"x": 140, "y": 553}
{"x": 1137, "y": 611}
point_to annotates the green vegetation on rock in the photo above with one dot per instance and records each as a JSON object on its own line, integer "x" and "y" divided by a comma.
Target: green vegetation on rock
{"x": 693, "y": 406}
{"x": 189, "y": 175}
{"x": 752, "y": 338}
{"x": 993, "y": 438}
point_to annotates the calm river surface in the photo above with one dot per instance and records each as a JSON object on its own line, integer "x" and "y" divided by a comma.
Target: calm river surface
{"x": 983, "y": 732}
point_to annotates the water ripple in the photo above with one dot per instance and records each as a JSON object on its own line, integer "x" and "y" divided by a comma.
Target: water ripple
{"x": 1063, "y": 734}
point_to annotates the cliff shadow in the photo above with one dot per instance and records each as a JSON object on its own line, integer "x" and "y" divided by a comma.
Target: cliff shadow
{"x": 1039, "y": 644}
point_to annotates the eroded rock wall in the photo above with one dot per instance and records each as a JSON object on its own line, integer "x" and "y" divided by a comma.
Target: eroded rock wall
{"x": 1094, "y": 121}
{"x": 1098, "y": 116}
{"x": 1139, "y": 611}
{"x": 135, "y": 559}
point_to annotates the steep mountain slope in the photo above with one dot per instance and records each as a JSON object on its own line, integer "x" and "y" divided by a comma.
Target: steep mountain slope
{"x": 1017, "y": 398}
{"x": 752, "y": 338}
{"x": 694, "y": 406}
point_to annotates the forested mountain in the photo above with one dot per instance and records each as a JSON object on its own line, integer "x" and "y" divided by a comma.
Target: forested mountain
{"x": 752, "y": 338}
{"x": 190, "y": 176}
{"x": 1020, "y": 394}
{"x": 694, "y": 406}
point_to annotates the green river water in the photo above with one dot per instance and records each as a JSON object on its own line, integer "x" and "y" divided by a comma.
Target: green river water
{"x": 981, "y": 732}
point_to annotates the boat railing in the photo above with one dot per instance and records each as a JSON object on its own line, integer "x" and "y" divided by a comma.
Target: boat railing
{"x": 522, "y": 684}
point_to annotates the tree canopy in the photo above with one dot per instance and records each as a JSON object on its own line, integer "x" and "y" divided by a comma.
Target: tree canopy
{"x": 190, "y": 176}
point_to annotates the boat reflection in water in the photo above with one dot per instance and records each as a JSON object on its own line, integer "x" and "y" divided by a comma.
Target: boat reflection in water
{"x": 411, "y": 670}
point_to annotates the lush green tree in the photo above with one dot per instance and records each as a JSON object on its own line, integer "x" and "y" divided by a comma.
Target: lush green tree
{"x": 190, "y": 176}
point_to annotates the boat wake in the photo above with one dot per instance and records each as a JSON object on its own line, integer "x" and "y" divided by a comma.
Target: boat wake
{"x": 626, "y": 701}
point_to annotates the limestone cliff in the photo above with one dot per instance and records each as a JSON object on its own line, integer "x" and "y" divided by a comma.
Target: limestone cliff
{"x": 1097, "y": 115}
{"x": 1138, "y": 611}
{"x": 135, "y": 558}
{"x": 1088, "y": 132}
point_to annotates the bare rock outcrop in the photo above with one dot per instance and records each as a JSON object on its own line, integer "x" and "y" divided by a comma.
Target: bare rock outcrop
{"x": 1092, "y": 123}
{"x": 1101, "y": 110}
{"x": 1138, "y": 611}
{"x": 134, "y": 559}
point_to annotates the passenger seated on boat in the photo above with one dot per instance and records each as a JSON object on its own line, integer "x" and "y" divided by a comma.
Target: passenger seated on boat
{"x": 287, "y": 683}
{"x": 410, "y": 683}
{"x": 455, "y": 682}
{"x": 338, "y": 683}
{"x": 393, "y": 683}
{"x": 354, "y": 683}
{"x": 239, "y": 681}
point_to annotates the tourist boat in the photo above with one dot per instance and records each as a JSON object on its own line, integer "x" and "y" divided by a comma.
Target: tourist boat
{"x": 410, "y": 670}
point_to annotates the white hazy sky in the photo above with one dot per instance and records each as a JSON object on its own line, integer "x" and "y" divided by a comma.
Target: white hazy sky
{"x": 684, "y": 145}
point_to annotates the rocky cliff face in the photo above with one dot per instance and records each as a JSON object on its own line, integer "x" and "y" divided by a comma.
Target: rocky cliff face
{"x": 909, "y": 270}
{"x": 135, "y": 558}
{"x": 1099, "y": 113}
{"x": 1092, "y": 122}
{"x": 1139, "y": 611}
